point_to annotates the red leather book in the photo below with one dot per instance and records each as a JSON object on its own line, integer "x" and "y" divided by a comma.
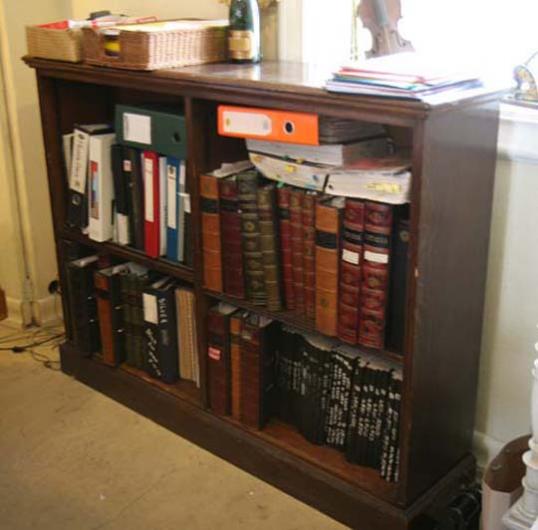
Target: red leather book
{"x": 296, "y": 225}
{"x": 235, "y": 364}
{"x": 283, "y": 197}
{"x": 350, "y": 271}
{"x": 375, "y": 273}
{"x": 230, "y": 230}
{"x": 328, "y": 232}
{"x": 218, "y": 358}
{"x": 309, "y": 252}
{"x": 152, "y": 232}
{"x": 259, "y": 342}
{"x": 211, "y": 240}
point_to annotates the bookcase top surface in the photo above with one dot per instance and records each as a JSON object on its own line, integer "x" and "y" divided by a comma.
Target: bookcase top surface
{"x": 297, "y": 83}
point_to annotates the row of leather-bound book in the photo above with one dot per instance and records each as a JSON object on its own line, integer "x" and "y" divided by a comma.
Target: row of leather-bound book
{"x": 332, "y": 393}
{"x": 125, "y": 313}
{"x": 339, "y": 261}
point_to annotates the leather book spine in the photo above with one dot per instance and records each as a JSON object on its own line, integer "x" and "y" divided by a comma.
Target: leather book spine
{"x": 297, "y": 247}
{"x": 258, "y": 347}
{"x": 398, "y": 288}
{"x": 140, "y": 345}
{"x": 309, "y": 253}
{"x": 251, "y": 240}
{"x": 218, "y": 361}
{"x": 283, "y": 195}
{"x": 104, "y": 309}
{"x": 350, "y": 271}
{"x": 269, "y": 245}
{"x": 328, "y": 220}
{"x": 128, "y": 303}
{"x": 230, "y": 226}
{"x": 150, "y": 325}
{"x": 168, "y": 351}
{"x": 235, "y": 365}
{"x": 211, "y": 238}
{"x": 132, "y": 171}
{"x": 375, "y": 274}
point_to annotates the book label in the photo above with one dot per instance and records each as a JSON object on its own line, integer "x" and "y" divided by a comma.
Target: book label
{"x": 172, "y": 196}
{"x": 351, "y": 257}
{"x": 214, "y": 353}
{"x": 150, "y": 308}
{"x": 375, "y": 257}
{"x": 137, "y": 128}
{"x": 148, "y": 188}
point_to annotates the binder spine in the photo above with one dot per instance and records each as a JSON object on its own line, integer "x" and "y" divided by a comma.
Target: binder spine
{"x": 152, "y": 235}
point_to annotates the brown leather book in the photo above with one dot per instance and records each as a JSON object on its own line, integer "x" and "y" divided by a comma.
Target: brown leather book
{"x": 259, "y": 343}
{"x": 283, "y": 195}
{"x": 328, "y": 221}
{"x": 375, "y": 273}
{"x": 350, "y": 271}
{"x": 269, "y": 245}
{"x": 211, "y": 240}
{"x": 250, "y": 236}
{"x": 297, "y": 249}
{"x": 110, "y": 311}
{"x": 218, "y": 358}
{"x": 309, "y": 252}
{"x": 235, "y": 362}
{"x": 187, "y": 338}
{"x": 230, "y": 227}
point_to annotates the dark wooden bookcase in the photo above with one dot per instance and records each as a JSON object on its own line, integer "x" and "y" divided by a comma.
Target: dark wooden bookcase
{"x": 453, "y": 147}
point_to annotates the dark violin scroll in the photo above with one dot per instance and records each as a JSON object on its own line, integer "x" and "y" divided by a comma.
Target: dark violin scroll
{"x": 381, "y": 18}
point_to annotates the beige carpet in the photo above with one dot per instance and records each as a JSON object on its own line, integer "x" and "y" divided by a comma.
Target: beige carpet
{"x": 73, "y": 459}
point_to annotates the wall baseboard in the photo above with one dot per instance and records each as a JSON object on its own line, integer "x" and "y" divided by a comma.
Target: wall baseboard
{"x": 48, "y": 310}
{"x": 19, "y": 313}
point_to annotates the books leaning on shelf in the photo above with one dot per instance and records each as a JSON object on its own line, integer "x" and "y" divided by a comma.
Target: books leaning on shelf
{"x": 130, "y": 186}
{"x": 333, "y": 394}
{"x": 326, "y": 258}
{"x": 126, "y": 313}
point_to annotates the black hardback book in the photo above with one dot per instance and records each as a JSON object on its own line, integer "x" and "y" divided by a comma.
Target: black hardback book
{"x": 121, "y": 189}
{"x": 160, "y": 330}
{"x": 344, "y": 361}
{"x": 357, "y": 409}
{"x": 285, "y": 374}
{"x": 398, "y": 287}
{"x": 133, "y": 175}
{"x": 83, "y": 305}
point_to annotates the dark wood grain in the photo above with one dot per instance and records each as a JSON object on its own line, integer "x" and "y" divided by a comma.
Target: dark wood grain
{"x": 456, "y": 185}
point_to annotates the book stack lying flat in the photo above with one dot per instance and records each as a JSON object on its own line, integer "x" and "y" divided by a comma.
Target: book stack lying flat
{"x": 403, "y": 75}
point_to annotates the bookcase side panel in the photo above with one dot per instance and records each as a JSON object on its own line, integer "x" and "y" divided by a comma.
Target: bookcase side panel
{"x": 456, "y": 186}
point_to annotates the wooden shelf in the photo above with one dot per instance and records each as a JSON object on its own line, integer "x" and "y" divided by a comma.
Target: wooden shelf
{"x": 186, "y": 390}
{"x": 287, "y": 437}
{"x": 177, "y": 270}
{"x": 300, "y": 322}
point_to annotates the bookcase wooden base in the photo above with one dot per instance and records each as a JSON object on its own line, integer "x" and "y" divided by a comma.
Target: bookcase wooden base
{"x": 257, "y": 455}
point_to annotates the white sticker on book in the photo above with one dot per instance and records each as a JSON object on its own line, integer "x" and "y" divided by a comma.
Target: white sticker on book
{"x": 186, "y": 202}
{"x": 171, "y": 196}
{"x": 150, "y": 308}
{"x": 148, "y": 190}
{"x": 376, "y": 257}
{"x": 136, "y": 128}
{"x": 127, "y": 165}
{"x": 247, "y": 123}
{"x": 351, "y": 257}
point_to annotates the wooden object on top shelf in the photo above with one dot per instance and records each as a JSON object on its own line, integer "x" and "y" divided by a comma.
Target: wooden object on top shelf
{"x": 453, "y": 159}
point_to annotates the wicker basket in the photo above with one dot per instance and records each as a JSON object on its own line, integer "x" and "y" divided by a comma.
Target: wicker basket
{"x": 57, "y": 44}
{"x": 159, "y": 45}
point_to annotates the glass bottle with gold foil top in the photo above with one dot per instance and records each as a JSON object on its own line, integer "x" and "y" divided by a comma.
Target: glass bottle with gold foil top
{"x": 244, "y": 37}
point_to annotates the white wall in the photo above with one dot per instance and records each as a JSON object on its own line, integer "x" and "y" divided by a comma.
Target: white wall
{"x": 511, "y": 314}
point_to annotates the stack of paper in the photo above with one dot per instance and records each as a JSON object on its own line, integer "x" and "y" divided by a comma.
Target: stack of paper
{"x": 403, "y": 75}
